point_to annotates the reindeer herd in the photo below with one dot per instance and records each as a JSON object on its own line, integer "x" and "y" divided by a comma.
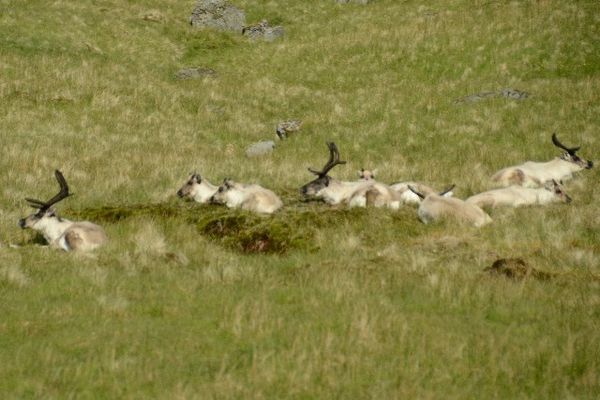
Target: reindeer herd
{"x": 530, "y": 183}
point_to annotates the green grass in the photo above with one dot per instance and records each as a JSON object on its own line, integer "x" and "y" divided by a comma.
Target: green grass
{"x": 191, "y": 301}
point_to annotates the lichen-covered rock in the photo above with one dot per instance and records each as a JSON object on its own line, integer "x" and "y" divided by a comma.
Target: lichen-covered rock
{"x": 218, "y": 14}
{"x": 195, "y": 72}
{"x": 508, "y": 93}
{"x": 263, "y": 30}
{"x": 284, "y": 128}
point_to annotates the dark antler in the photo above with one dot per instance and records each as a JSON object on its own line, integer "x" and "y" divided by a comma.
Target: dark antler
{"x": 571, "y": 150}
{"x": 447, "y": 190}
{"x": 62, "y": 194}
{"x": 334, "y": 159}
{"x": 412, "y": 189}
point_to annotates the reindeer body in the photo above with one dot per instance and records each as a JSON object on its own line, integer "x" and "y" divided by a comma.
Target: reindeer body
{"x": 65, "y": 234}
{"x": 59, "y": 232}
{"x": 375, "y": 194}
{"x": 197, "y": 188}
{"x": 535, "y": 174}
{"x": 517, "y": 196}
{"x": 409, "y": 197}
{"x": 435, "y": 207}
{"x": 252, "y": 197}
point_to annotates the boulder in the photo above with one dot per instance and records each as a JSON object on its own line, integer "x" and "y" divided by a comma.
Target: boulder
{"x": 260, "y": 148}
{"x": 194, "y": 73}
{"x": 217, "y": 14}
{"x": 263, "y": 31}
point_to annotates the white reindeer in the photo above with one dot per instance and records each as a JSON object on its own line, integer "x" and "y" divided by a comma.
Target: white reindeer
{"x": 197, "y": 188}
{"x": 517, "y": 196}
{"x": 536, "y": 174}
{"x": 435, "y": 207}
{"x": 247, "y": 197}
{"x": 59, "y": 232}
{"x": 329, "y": 189}
{"x": 409, "y": 197}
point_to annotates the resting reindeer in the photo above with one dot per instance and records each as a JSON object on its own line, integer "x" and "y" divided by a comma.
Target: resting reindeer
{"x": 60, "y": 232}
{"x": 409, "y": 197}
{"x": 329, "y": 189}
{"x": 247, "y": 197}
{"x": 197, "y": 188}
{"x": 535, "y": 174}
{"x": 436, "y": 207}
{"x": 516, "y": 196}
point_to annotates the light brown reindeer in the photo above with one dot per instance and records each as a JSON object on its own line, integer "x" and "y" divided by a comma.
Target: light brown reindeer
{"x": 436, "y": 207}
{"x": 252, "y": 197}
{"x": 536, "y": 174}
{"x": 59, "y": 232}
{"x": 517, "y": 196}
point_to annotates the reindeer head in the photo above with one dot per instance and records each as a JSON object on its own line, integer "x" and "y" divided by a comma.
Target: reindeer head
{"x": 222, "y": 194}
{"x": 367, "y": 175}
{"x": 445, "y": 193}
{"x": 322, "y": 180}
{"x": 570, "y": 154}
{"x": 189, "y": 188}
{"x": 558, "y": 193}
{"x": 45, "y": 211}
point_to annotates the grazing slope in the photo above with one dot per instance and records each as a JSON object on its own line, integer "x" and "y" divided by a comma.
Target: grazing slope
{"x": 191, "y": 300}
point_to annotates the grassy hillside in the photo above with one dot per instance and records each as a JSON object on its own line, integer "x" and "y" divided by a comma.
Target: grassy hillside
{"x": 345, "y": 303}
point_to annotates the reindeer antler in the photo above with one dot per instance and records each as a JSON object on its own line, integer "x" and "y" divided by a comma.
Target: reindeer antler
{"x": 571, "y": 150}
{"x": 62, "y": 194}
{"x": 334, "y": 159}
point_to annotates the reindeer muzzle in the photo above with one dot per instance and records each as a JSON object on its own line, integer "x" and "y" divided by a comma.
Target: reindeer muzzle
{"x": 590, "y": 164}
{"x": 179, "y": 194}
{"x": 21, "y": 223}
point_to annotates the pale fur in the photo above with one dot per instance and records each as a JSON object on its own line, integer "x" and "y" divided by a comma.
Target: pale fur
{"x": 535, "y": 174}
{"x": 406, "y": 196}
{"x": 435, "y": 207}
{"x": 197, "y": 188}
{"x": 517, "y": 196}
{"x": 252, "y": 197}
{"x": 375, "y": 194}
{"x": 68, "y": 235}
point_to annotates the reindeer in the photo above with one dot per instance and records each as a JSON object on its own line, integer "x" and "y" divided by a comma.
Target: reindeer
{"x": 516, "y": 196}
{"x": 409, "y": 197}
{"x": 435, "y": 207}
{"x": 331, "y": 190}
{"x": 536, "y": 174}
{"x": 247, "y": 197}
{"x": 60, "y": 232}
{"x": 197, "y": 188}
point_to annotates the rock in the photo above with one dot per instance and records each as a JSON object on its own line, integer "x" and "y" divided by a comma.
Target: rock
{"x": 260, "y": 148}
{"x": 508, "y": 93}
{"x": 195, "y": 72}
{"x": 514, "y": 94}
{"x": 263, "y": 30}
{"x": 284, "y": 128}
{"x": 217, "y": 14}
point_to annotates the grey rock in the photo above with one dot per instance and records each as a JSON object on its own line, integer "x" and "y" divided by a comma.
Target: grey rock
{"x": 514, "y": 94}
{"x": 264, "y": 31}
{"x": 260, "y": 148}
{"x": 508, "y": 93}
{"x": 217, "y": 14}
{"x": 195, "y": 72}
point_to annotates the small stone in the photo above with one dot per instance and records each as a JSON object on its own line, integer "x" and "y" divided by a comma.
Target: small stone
{"x": 263, "y": 30}
{"x": 195, "y": 72}
{"x": 260, "y": 148}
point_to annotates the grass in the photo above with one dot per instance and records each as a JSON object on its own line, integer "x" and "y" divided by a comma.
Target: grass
{"x": 191, "y": 301}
